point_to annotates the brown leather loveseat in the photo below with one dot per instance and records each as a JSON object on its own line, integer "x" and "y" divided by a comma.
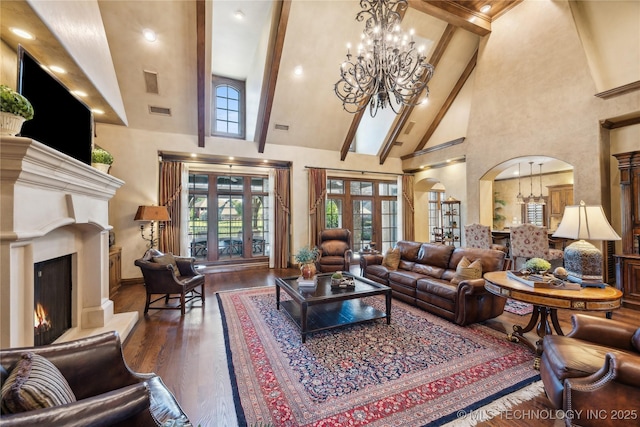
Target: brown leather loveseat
{"x": 593, "y": 372}
{"x": 105, "y": 390}
{"x": 426, "y": 275}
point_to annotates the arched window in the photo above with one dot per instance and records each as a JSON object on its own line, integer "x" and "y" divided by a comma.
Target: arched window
{"x": 228, "y": 108}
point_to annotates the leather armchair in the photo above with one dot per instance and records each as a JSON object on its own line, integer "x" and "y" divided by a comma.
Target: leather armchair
{"x": 335, "y": 250}
{"x": 107, "y": 391}
{"x": 163, "y": 279}
{"x": 594, "y": 371}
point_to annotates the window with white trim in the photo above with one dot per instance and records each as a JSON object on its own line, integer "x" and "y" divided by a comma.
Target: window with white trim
{"x": 228, "y": 112}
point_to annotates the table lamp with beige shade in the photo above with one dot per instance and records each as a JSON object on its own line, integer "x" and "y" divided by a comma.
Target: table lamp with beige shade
{"x": 151, "y": 214}
{"x": 582, "y": 260}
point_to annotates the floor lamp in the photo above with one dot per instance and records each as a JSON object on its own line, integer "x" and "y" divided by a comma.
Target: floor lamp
{"x": 151, "y": 214}
{"x": 582, "y": 260}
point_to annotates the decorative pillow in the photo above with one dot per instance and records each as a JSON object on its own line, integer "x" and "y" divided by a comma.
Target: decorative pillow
{"x": 168, "y": 259}
{"x": 34, "y": 383}
{"x": 467, "y": 270}
{"x": 391, "y": 259}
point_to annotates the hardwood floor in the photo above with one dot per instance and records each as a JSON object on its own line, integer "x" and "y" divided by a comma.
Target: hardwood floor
{"x": 189, "y": 352}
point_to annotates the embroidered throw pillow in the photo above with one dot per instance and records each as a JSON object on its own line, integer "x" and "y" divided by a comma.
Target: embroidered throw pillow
{"x": 168, "y": 259}
{"x": 391, "y": 258}
{"x": 34, "y": 383}
{"x": 467, "y": 270}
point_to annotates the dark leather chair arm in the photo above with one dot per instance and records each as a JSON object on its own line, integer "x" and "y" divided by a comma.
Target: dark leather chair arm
{"x": 125, "y": 406}
{"x": 471, "y": 287}
{"x": 370, "y": 259}
{"x": 615, "y": 388}
{"x": 91, "y": 366}
{"x": 598, "y": 330}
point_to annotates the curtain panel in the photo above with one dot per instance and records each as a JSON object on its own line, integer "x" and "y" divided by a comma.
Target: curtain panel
{"x": 408, "y": 210}
{"x": 317, "y": 193}
{"x": 282, "y": 219}
{"x": 170, "y": 192}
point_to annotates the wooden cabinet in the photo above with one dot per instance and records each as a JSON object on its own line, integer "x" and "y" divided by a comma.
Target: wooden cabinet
{"x": 559, "y": 197}
{"x": 628, "y": 264}
{"x": 115, "y": 269}
{"x": 628, "y": 279}
{"x": 451, "y": 225}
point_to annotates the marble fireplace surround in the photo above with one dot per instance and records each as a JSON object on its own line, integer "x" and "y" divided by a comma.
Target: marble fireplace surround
{"x": 53, "y": 205}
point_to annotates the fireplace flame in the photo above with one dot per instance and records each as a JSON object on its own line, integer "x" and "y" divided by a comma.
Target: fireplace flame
{"x": 41, "y": 318}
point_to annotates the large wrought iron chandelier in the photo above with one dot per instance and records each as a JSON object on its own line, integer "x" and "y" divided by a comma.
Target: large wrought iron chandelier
{"x": 388, "y": 69}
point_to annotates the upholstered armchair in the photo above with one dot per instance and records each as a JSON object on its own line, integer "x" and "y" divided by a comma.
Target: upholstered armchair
{"x": 167, "y": 275}
{"x": 531, "y": 241}
{"x": 335, "y": 254}
{"x": 92, "y": 372}
{"x": 479, "y": 236}
{"x": 594, "y": 369}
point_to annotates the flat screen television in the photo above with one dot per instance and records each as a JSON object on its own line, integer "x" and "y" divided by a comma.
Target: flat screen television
{"x": 61, "y": 121}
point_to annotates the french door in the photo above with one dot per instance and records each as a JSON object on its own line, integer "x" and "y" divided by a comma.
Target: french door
{"x": 228, "y": 217}
{"x": 366, "y": 207}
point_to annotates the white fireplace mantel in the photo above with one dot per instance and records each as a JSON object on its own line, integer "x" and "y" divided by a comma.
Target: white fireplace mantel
{"x": 53, "y": 205}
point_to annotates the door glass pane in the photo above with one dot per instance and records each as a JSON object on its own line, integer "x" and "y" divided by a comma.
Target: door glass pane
{"x": 360, "y": 188}
{"x": 230, "y": 227}
{"x": 362, "y": 224}
{"x": 389, "y": 216}
{"x": 388, "y": 189}
{"x": 259, "y": 225}
{"x": 334, "y": 213}
{"x": 335, "y": 186}
{"x": 198, "y": 226}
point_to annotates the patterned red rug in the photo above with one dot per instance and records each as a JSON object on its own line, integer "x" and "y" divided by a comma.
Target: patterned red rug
{"x": 518, "y": 307}
{"x": 419, "y": 370}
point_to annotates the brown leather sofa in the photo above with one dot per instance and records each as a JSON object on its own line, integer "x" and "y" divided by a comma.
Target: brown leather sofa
{"x": 108, "y": 393}
{"x": 593, "y": 372}
{"x": 424, "y": 279}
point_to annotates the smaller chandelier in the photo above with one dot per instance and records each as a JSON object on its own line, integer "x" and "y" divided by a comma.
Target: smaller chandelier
{"x": 388, "y": 69}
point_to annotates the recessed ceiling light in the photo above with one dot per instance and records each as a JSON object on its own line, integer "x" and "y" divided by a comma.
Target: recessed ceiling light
{"x": 57, "y": 69}
{"x": 239, "y": 15}
{"x": 149, "y": 35}
{"x": 486, "y": 8}
{"x": 97, "y": 111}
{"x": 22, "y": 33}
{"x": 231, "y": 157}
{"x": 194, "y": 155}
{"x": 472, "y": 19}
{"x": 80, "y": 93}
{"x": 298, "y": 70}
{"x": 265, "y": 161}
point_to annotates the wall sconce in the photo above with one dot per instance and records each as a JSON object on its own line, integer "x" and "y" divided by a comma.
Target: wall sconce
{"x": 152, "y": 214}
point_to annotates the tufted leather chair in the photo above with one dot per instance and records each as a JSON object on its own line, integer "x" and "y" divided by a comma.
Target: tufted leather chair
{"x": 108, "y": 393}
{"x": 335, "y": 250}
{"x": 594, "y": 369}
{"x": 163, "y": 279}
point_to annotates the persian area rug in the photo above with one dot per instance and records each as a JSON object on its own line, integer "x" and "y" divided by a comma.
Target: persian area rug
{"x": 419, "y": 370}
{"x": 518, "y": 307}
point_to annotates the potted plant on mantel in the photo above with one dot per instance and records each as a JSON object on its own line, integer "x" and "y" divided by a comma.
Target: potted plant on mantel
{"x": 15, "y": 109}
{"x": 306, "y": 257}
{"x": 101, "y": 159}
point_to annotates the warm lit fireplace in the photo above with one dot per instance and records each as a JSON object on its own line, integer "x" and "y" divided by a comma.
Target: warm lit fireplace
{"x": 54, "y": 207}
{"x": 52, "y": 299}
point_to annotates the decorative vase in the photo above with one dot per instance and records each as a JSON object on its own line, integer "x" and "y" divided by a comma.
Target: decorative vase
{"x": 102, "y": 167}
{"x": 10, "y": 124}
{"x": 308, "y": 270}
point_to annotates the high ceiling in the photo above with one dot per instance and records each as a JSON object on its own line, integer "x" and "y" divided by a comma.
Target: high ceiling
{"x": 307, "y": 33}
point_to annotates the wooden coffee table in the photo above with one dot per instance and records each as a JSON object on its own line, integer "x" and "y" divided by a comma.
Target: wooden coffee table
{"x": 545, "y": 304}
{"x": 324, "y": 307}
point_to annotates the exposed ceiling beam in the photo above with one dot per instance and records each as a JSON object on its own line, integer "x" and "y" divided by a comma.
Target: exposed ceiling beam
{"x": 201, "y": 8}
{"x": 447, "y": 104}
{"x": 454, "y": 14}
{"x": 276, "y": 43}
{"x": 351, "y": 134}
{"x": 405, "y": 112}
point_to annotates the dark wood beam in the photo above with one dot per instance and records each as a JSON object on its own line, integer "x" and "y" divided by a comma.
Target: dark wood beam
{"x": 405, "y": 112}
{"x": 201, "y": 8}
{"x": 454, "y": 14}
{"x": 276, "y": 42}
{"x": 447, "y": 104}
{"x": 351, "y": 134}
{"x": 621, "y": 90}
{"x": 620, "y": 122}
